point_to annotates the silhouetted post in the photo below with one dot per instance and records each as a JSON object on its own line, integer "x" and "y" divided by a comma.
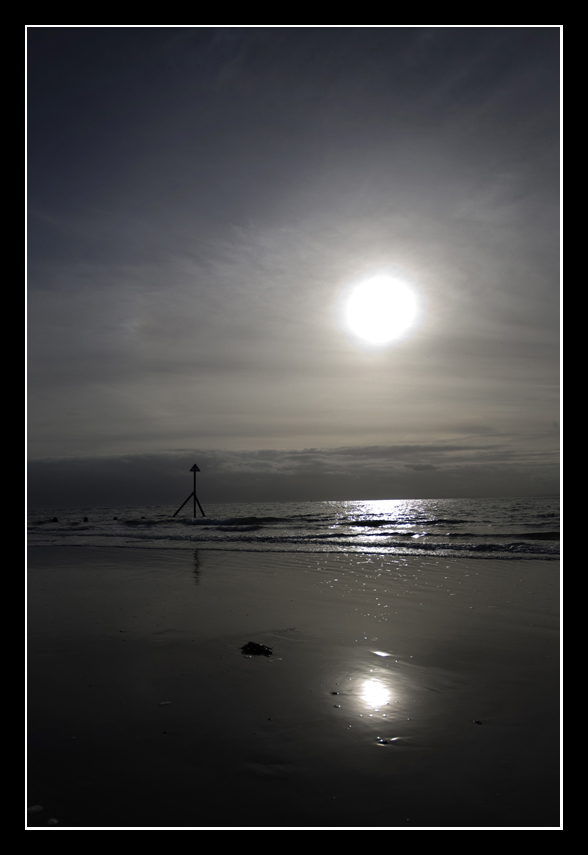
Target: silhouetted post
{"x": 195, "y": 469}
{"x": 193, "y": 495}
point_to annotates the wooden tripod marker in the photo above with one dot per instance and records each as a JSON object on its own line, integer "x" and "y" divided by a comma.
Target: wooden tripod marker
{"x": 193, "y": 495}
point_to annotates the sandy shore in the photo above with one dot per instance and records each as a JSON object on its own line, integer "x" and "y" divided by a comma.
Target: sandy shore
{"x": 400, "y": 693}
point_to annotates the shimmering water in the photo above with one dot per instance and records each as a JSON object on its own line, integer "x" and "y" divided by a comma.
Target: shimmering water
{"x": 472, "y": 528}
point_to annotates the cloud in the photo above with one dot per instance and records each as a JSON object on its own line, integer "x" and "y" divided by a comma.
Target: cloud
{"x": 291, "y": 475}
{"x": 421, "y": 467}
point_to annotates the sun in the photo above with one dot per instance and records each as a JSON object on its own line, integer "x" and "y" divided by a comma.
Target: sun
{"x": 380, "y": 310}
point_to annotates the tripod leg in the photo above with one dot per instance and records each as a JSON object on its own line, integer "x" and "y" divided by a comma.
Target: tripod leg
{"x": 185, "y": 503}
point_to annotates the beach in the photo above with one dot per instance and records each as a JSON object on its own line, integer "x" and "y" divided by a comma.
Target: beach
{"x": 401, "y": 692}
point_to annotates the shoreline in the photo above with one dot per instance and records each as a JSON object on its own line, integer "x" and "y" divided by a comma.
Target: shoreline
{"x": 143, "y": 711}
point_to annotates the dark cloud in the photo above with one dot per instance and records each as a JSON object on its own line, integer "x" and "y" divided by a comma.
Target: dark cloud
{"x": 291, "y": 475}
{"x": 421, "y": 467}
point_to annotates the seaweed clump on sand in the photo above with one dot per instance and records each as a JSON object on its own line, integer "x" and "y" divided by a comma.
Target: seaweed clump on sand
{"x": 253, "y": 649}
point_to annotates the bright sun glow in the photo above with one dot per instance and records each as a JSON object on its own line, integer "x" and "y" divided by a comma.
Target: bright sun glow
{"x": 381, "y": 309}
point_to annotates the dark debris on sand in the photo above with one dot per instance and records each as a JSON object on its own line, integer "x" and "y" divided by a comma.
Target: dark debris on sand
{"x": 253, "y": 649}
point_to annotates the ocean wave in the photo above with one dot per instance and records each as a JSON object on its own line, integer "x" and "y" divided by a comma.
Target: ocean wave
{"x": 474, "y": 528}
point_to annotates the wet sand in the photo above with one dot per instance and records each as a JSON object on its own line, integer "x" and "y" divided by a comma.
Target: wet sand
{"x": 400, "y": 693}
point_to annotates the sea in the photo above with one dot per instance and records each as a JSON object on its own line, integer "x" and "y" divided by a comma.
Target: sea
{"x": 507, "y": 528}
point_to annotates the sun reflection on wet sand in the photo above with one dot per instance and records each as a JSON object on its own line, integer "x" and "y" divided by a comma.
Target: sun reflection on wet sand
{"x": 375, "y": 694}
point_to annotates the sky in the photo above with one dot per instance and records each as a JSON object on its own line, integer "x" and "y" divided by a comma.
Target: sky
{"x": 200, "y": 202}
